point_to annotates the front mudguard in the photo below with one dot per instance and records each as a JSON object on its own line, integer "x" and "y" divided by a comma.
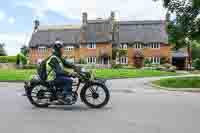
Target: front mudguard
{"x": 95, "y": 81}
{"x": 101, "y": 81}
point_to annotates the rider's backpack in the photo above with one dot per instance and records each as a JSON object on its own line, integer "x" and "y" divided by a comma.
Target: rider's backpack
{"x": 42, "y": 70}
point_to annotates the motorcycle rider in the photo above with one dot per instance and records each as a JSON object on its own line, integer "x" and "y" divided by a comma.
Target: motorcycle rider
{"x": 57, "y": 74}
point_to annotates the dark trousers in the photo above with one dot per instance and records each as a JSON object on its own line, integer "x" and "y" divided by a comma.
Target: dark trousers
{"x": 66, "y": 83}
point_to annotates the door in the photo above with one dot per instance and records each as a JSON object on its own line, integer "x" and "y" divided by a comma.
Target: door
{"x": 179, "y": 62}
{"x": 104, "y": 60}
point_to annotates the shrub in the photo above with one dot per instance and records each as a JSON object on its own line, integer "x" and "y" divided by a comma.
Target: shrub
{"x": 122, "y": 52}
{"x": 164, "y": 60}
{"x": 82, "y": 61}
{"x": 114, "y": 53}
{"x": 172, "y": 69}
{"x": 167, "y": 65}
{"x": 128, "y": 67}
{"x": 138, "y": 59}
{"x": 196, "y": 64}
{"x": 8, "y": 59}
{"x": 117, "y": 66}
{"x": 147, "y": 63}
{"x": 21, "y": 59}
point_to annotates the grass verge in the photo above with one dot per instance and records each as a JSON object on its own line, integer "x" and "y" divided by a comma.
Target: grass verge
{"x": 21, "y": 75}
{"x": 181, "y": 83}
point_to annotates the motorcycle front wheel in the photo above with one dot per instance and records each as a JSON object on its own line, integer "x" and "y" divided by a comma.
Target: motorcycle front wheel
{"x": 95, "y": 95}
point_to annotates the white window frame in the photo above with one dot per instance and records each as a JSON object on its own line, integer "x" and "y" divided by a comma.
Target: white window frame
{"x": 121, "y": 46}
{"x": 124, "y": 60}
{"x": 42, "y": 49}
{"x": 91, "y": 45}
{"x": 155, "y": 45}
{"x": 155, "y": 60}
{"x": 138, "y": 46}
{"x": 124, "y": 46}
{"x": 68, "y": 48}
{"x": 91, "y": 60}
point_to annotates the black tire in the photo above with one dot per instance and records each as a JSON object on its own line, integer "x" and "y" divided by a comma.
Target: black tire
{"x": 84, "y": 99}
{"x": 30, "y": 98}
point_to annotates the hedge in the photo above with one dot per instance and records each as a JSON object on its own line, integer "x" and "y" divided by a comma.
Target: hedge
{"x": 8, "y": 59}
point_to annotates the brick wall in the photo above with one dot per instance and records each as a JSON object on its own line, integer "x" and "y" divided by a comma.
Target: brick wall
{"x": 76, "y": 53}
{"x": 163, "y": 51}
{"x": 35, "y": 55}
{"x": 84, "y": 52}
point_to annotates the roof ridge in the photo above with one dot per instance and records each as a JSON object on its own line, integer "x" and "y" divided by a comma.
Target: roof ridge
{"x": 141, "y": 22}
{"x": 58, "y": 27}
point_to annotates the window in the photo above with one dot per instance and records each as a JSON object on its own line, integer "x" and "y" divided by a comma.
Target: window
{"x": 124, "y": 60}
{"x": 123, "y": 46}
{"x": 91, "y": 60}
{"x": 91, "y": 45}
{"x": 155, "y": 45}
{"x": 42, "y": 49}
{"x": 155, "y": 60}
{"x": 68, "y": 48}
{"x": 138, "y": 46}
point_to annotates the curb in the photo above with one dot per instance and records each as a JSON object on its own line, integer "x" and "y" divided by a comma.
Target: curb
{"x": 173, "y": 89}
{"x": 122, "y": 90}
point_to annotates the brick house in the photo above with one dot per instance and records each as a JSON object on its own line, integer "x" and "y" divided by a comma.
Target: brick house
{"x": 94, "y": 40}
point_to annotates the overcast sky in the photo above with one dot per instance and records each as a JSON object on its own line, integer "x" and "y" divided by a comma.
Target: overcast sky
{"x": 16, "y": 16}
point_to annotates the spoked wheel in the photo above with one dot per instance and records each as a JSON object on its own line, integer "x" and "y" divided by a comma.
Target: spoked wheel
{"x": 39, "y": 96}
{"x": 95, "y": 96}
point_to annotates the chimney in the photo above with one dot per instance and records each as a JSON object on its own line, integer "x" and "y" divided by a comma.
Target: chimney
{"x": 36, "y": 25}
{"x": 84, "y": 18}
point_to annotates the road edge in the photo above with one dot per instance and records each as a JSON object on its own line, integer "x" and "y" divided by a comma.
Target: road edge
{"x": 173, "y": 89}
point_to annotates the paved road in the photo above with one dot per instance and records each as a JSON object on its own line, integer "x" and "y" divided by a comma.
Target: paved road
{"x": 141, "y": 110}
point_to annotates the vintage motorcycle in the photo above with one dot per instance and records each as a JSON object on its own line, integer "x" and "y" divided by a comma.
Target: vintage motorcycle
{"x": 93, "y": 92}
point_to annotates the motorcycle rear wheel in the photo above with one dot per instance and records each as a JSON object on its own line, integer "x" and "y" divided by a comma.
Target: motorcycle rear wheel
{"x": 39, "y": 95}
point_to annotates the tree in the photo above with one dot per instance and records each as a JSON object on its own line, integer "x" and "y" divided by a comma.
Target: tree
{"x": 22, "y": 56}
{"x": 24, "y": 50}
{"x": 195, "y": 3}
{"x": 184, "y": 26}
{"x": 2, "y": 49}
{"x": 195, "y": 50}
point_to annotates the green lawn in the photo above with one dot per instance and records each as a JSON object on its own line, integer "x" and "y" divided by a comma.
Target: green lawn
{"x": 182, "y": 83}
{"x": 20, "y": 75}
{"x": 130, "y": 73}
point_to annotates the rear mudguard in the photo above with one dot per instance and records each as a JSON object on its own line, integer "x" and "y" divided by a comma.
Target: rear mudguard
{"x": 27, "y": 87}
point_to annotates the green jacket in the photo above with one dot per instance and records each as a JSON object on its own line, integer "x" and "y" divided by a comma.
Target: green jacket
{"x": 55, "y": 67}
